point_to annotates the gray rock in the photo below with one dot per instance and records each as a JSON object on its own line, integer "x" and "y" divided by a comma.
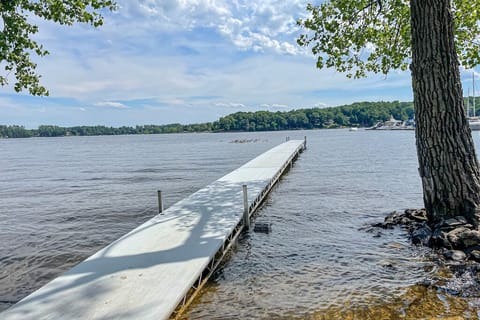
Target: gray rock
{"x": 456, "y": 255}
{"x": 393, "y": 217}
{"x": 471, "y": 238}
{"x": 405, "y": 221}
{"x": 461, "y": 219}
{"x": 439, "y": 239}
{"x": 475, "y": 255}
{"x": 452, "y": 223}
{"x": 387, "y": 264}
{"x": 422, "y": 235}
{"x": 383, "y": 225}
{"x": 456, "y": 235}
{"x": 418, "y": 215}
{"x": 463, "y": 237}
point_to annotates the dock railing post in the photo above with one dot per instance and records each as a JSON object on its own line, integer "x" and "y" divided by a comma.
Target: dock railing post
{"x": 246, "y": 218}
{"x": 160, "y": 201}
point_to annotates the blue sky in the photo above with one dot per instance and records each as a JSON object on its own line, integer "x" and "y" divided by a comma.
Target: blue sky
{"x": 186, "y": 61}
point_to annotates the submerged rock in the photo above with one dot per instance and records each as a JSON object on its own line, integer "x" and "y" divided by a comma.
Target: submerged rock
{"x": 456, "y": 255}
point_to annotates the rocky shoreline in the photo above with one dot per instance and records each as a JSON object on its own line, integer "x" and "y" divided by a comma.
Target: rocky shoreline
{"x": 455, "y": 243}
{"x": 455, "y": 238}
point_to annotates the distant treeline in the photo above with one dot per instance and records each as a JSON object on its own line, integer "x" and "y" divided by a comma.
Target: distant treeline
{"x": 56, "y": 131}
{"x": 361, "y": 114}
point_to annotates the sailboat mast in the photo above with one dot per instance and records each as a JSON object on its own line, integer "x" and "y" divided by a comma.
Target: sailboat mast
{"x": 473, "y": 82}
{"x": 468, "y": 102}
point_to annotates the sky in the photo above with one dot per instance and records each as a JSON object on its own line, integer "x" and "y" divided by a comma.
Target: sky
{"x": 186, "y": 61}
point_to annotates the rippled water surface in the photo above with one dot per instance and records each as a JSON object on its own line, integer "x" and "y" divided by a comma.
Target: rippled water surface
{"x": 62, "y": 199}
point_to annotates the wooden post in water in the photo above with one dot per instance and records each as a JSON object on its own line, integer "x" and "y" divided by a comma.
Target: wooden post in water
{"x": 246, "y": 218}
{"x": 305, "y": 142}
{"x": 160, "y": 201}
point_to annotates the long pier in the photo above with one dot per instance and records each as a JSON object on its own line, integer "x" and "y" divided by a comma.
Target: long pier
{"x": 155, "y": 271}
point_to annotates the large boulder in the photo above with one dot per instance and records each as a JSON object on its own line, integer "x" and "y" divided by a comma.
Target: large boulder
{"x": 463, "y": 237}
{"x": 471, "y": 238}
{"x": 455, "y": 236}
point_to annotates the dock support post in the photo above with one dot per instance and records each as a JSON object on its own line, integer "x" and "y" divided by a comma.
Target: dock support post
{"x": 305, "y": 142}
{"x": 246, "y": 218}
{"x": 160, "y": 201}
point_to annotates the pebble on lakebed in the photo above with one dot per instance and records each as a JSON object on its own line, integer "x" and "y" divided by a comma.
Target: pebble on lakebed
{"x": 456, "y": 238}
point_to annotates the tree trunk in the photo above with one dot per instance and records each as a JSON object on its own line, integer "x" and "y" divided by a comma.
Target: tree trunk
{"x": 448, "y": 165}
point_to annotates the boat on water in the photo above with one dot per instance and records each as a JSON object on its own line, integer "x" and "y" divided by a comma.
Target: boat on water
{"x": 394, "y": 124}
{"x": 474, "y": 123}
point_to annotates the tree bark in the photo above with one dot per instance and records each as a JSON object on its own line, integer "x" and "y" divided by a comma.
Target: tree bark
{"x": 448, "y": 165}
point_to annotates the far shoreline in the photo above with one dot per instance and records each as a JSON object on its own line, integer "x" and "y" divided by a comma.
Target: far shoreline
{"x": 356, "y": 115}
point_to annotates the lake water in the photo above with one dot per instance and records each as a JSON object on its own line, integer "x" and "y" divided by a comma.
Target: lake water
{"x": 62, "y": 199}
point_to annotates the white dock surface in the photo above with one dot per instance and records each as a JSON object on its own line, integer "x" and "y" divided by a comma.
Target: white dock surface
{"x": 146, "y": 273}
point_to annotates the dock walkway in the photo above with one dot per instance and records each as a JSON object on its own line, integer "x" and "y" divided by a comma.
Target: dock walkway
{"x": 155, "y": 270}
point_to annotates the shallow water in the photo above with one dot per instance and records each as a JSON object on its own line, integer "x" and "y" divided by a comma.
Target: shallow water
{"x": 62, "y": 199}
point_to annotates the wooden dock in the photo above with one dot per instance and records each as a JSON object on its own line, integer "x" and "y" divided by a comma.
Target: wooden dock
{"x": 154, "y": 271}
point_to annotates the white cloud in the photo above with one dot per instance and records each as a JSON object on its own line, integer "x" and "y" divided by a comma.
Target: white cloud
{"x": 170, "y": 81}
{"x": 268, "y": 25}
{"x": 274, "y": 106}
{"x": 229, "y": 104}
{"x": 86, "y": 87}
{"x": 110, "y": 104}
{"x": 172, "y": 101}
{"x": 8, "y": 103}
